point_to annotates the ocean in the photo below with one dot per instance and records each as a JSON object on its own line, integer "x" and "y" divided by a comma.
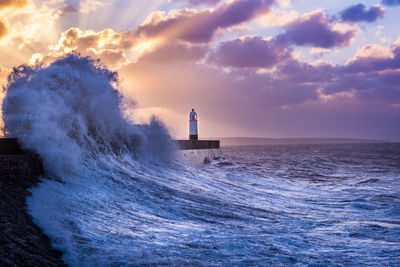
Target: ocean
{"x": 258, "y": 205}
{"x": 113, "y": 195}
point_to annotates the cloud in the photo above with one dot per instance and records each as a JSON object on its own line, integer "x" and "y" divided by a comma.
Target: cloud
{"x": 359, "y": 12}
{"x": 106, "y": 45}
{"x": 3, "y": 28}
{"x": 32, "y": 29}
{"x": 174, "y": 51}
{"x": 177, "y": 36}
{"x": 12, "y": 3}
{"x": 374, "y": 51}
{"x": 199, "y": 2}
{"x": 391, "y": 2}
{"x": 9, "y": 4}
{"x": 249, "y": 52}
{"x": 278, "y": 17}
{"x": 199, "y": 26}
{"x": 69, "y": 9}
{"x": 4, "y": 72}
{"x": 89, "y": 6}
{"x": 373, "y": 58}
{"x": 315, "y": 29}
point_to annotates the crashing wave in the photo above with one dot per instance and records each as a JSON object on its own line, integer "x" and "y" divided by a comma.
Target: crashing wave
{"x": 71, "y": 110}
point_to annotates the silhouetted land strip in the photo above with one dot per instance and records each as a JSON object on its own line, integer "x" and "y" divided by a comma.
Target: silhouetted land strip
{"x": 21, "y": 242}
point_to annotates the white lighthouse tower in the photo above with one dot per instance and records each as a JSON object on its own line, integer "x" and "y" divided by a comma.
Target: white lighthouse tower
{"x": 193, "y": 134}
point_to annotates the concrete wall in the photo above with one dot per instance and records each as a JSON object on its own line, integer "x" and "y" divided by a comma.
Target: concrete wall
{"x": 21, "y": 242}
{"x": 20, "y": 166}
{"x": 197, "y": 144}
{"x": 9, "y": 146}
{"x": 197, "y": 157}
{"x": 17, "y": 163}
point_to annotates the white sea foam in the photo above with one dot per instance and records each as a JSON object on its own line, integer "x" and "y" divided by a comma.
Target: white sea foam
{"x": 70, "y": 110}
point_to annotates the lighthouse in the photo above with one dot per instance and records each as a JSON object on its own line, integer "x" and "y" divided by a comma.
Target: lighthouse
{"x": 193, "y": 134}
{"x": 194, "y": 143}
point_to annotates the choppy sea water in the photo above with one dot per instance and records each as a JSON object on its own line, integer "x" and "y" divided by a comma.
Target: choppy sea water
{"x": 259, "y": 205}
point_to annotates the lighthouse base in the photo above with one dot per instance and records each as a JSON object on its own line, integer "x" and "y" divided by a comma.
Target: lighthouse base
{"x": 193, "y": 137}
{"x": 197, "y": 157}
{"x": 197, "y": 152}
{"x": 197, "y": 144}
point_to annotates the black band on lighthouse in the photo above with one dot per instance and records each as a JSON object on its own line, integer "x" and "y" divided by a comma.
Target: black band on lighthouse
{"x": 193, "y": 137}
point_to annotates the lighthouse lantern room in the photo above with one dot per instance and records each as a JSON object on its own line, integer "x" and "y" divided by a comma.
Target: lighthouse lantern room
{"x": 193, "y": 133}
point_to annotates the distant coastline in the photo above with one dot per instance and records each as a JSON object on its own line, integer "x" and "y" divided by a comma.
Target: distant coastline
{"x": 240, "y": 141}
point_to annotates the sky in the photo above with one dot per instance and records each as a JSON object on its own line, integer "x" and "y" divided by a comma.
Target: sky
{"x": 255, "y": 68}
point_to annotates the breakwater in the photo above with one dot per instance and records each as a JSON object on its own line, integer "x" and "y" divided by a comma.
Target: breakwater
{"x": 196, "y": 152}
{"x": 22, "y": 242}
{"x": 197, "y": 144}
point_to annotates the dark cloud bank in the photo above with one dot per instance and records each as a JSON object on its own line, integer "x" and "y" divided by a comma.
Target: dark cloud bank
{"x": 199, "y": 2}
{"x": 315, "y": 30}
{"x": 391, "y": 2}
{"x": 360, "y": 12}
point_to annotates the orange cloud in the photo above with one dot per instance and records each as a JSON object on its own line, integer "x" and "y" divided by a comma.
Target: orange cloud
{"x": 3, "y": 75}
{"x": 3, "y": 28}
{"x": 106, "y": 45}
{"x": 12, "y": 3}
{"x": 9, "y": 4}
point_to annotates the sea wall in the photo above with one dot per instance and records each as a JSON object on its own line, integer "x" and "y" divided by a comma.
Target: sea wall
{"x": 15, "y": 163}
{"x": 22, "y": 165}
{"x": 10, "y": 146}
{"x": 22, "y": 242}
{"x": 197, "y": 152}
{"x": 197, "y": 144}
{"x": 197, "y": 157}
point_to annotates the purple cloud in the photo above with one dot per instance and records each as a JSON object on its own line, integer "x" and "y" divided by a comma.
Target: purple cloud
{"x": 173, "y": 52}
{"x": 373, "y": 64}
{"x": 199, "y": 2}
{"x": 249, "y": 52}
{"x": 315, "y": 30}
{"x": 69, "y": 9}
{"x": 200, "y": 26}
{"x": 391, "y": 2}
{"x": 368, "y": 78}
{"x": 359, "y": 12}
